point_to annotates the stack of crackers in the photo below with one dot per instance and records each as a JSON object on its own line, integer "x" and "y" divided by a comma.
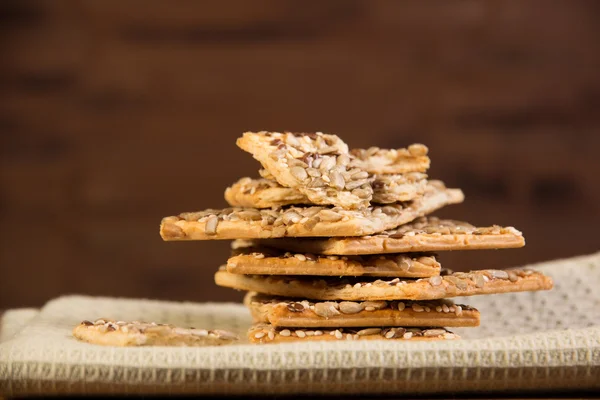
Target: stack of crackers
{"x": 333, "y": 243}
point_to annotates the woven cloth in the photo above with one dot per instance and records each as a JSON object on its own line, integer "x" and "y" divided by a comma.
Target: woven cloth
{"x": 527, "y": 341}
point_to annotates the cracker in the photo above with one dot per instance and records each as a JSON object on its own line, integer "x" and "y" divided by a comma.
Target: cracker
{"x": 262, "y": 193}
{"x": 392, "y": 161}
{"x": 423, "y": 234}
{"x": 360, "y": 289}
{"x": 250, "y": 223}
{"x": 120, "y": 333}
{"x": 316, "y": 164}
{"x": 296, "y": 313}
{"x": 398, "y": 187}
{"x": 266, "y": 193}
{"x": 264, "y": 333}
{"x": 270, "y": 261}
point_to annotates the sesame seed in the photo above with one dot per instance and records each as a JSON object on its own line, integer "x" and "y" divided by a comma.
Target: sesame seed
{"x": 300, "y": 257}
{"x": 338, "y": 334}
{"x": 407, "y": 335}
{"x": 300, "y": 334}
{"x": 401, "y": 306}
{"x": 285, "y": 332}
{"x": 259, "y": 335}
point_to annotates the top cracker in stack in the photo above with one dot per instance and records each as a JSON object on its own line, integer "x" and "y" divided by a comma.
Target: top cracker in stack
{"x": 316, "y": 187}
{"x": 322, "y": 211}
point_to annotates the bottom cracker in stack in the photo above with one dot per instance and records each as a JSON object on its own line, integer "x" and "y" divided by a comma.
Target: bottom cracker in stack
{"x": 285, "y": 319}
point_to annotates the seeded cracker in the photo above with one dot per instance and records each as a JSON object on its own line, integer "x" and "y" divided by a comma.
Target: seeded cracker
{"x": 250, "y": 223}
{"x": 269, "y": 261}
{"x": 286, "y": 312}
{"x": 262, "y": 333}
{"x": 262, "y": 193}
{"x": 316, "y": 164}
{"x": 267, "y": 193}
{"x": 359, "y": 289}
{"x": 423, "y": 234}
{"x": 392, "y": 161}
{"x": 121, "y": 333}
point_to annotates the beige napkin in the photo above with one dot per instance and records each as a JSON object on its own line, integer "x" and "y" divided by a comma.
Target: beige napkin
{"x": 540, "y": 341}
{"x": 12, "y": 321}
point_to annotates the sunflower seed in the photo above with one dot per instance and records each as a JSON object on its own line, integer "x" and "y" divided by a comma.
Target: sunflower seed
{"x": 368, "y": 331}
{"x": 329, "y": 216}
{"x": 291, "y": 217}
{"x": 496, "y": 273}
{"x": 312, "y": 222}
{"x": 479, "y": 282}
{"x": 249, "y": 215}
{"x": 350, "y": 307}
{"x": 210, "y": 228}
{"x": 313, "y": 172}
{"x": 326, "y": 309}
{"x": 435, "y": 280}
{"x": 417, "y": 307}
{"x": 300, "y": 257}
{"x": 299, "y": 173}
{"x": 433, "y": 332}
{"x": 362, "y": 193}
{"x": 417, "y": 150}
{"x": 343, "y": 159}
{"x": 375, "y": 305}
{"x": 327, "y": 163}
{"x": 337, "y": 180}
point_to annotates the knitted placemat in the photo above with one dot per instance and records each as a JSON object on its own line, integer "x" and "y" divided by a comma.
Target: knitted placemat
{"x": 527, "y": 341}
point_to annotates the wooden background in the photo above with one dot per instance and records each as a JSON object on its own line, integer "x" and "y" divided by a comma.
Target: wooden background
{"x": 116, "y": 113}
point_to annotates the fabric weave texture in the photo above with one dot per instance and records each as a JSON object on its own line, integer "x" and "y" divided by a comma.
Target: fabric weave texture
{"x": 527, "y": 341}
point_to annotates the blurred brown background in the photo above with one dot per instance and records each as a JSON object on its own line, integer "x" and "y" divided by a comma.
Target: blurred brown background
{"x": 116, "y": 113}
